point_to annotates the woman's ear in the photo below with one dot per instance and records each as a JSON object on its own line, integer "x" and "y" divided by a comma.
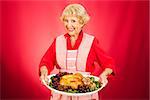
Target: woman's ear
{"x": 82, "y": 22}
{"x": 82, "y": 25}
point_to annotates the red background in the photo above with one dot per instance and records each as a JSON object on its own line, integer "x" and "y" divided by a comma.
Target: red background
{"x": 29, "y": 27}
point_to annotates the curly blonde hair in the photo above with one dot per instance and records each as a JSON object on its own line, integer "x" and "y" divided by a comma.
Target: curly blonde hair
{"x": 77, "y": 10}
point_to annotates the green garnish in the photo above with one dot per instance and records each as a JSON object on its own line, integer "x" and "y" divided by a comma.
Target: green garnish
{"x": 92, "y": 79}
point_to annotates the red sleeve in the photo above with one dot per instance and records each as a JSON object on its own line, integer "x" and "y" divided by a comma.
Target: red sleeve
{"x": 103, "y": 60}
{"x": 49, "y": 58}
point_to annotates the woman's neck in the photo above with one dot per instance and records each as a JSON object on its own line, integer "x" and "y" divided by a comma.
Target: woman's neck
{"x": 73, "y": 39}
{"x": 75, "y": 36}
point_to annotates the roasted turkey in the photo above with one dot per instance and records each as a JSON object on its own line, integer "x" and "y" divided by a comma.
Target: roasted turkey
{"x": 73, "y": 80}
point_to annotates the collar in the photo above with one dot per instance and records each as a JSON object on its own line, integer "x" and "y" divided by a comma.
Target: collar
{"x": 78, "y": 41}
{"x": 79, "y": 37}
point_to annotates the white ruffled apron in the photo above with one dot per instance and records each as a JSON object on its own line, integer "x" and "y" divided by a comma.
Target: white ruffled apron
{"x": 73, "y": 61}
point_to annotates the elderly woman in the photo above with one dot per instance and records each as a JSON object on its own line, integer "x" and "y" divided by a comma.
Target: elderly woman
{"x": 76, "y": 51}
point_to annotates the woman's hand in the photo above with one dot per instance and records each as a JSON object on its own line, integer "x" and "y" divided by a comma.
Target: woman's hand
{"x": 44, "y": 73}
{"x": 104, "y": 75}
{"x": 103, "y": 79}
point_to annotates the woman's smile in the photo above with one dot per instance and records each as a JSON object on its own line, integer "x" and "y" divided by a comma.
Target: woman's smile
{"x": 70, "y": 29}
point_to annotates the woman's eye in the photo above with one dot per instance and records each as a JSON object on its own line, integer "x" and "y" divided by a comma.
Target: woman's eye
{"x": 73, "y": 21}
{"x": 65, "y": 20}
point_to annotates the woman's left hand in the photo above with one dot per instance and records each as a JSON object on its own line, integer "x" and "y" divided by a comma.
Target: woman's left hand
{"x": 104, "y": 75}
{"x": 103, "y": 79}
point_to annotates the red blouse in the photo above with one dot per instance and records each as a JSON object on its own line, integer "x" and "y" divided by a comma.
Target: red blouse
{"x": 97, "y": 60}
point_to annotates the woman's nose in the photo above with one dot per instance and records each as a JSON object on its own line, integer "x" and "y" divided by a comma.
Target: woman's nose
{"x": 69, "y": 24}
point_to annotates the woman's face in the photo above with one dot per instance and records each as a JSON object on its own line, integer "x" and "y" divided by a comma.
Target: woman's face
{"x": 72, "y": 25}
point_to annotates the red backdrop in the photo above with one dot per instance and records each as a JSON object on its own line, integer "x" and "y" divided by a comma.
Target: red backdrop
{"x": 29, "y": 27}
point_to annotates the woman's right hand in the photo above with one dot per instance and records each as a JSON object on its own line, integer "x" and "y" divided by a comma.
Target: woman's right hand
{"x": 44, "y": 73}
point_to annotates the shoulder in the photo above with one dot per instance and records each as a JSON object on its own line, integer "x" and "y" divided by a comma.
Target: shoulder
{"x": 61, "y": 36}
{"x": 89, "y": 35}
{"x": 53, "y": 43}
{"x": 95, "y": 40}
